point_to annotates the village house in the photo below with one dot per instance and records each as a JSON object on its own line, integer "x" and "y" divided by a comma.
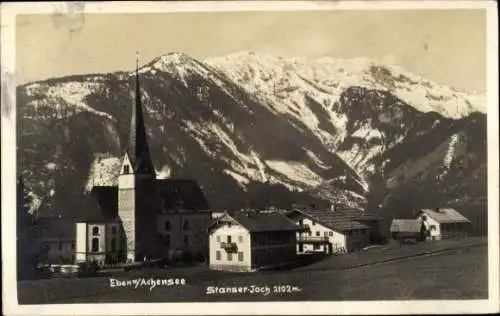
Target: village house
{"x": 373, "y": 221}
{"x": 58, "y": 238}
{"x": 407, "y": 229}
{"x": 251, "y": 240}
{"x": 329, "y": 231}
{"x": 443, "y": 223}
{"x": 141, "y": 218}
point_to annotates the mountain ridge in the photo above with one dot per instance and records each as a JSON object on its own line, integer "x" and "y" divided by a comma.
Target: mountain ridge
{"x": 314, "y": 136}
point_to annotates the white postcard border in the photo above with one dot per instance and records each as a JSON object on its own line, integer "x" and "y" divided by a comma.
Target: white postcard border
{"x": 8, "y": 14}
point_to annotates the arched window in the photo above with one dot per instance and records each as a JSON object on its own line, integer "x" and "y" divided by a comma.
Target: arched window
{"x": 113, "y": 244}
{"x": 126, "y": 169}
{"x": 95, "y": 230}
{"x": 95, "y": 244}
{"x": 167, "y": 225}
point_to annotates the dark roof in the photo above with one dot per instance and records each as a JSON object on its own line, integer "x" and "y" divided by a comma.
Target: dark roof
{"x": 406, "y": 226}
{"x": 137, "y": 145}
{"x": 263, "y": 222}
{"x": 56, "y": 228}
{"x": 101, "y": 205}
{"x": 359, "y": 215}
{"x": 335, "y": 220}
{"x": 180, "y": 194}
{"x": 445, "y": 215}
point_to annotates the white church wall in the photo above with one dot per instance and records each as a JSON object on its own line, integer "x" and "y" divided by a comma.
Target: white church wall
{"x": 81, "y": 242}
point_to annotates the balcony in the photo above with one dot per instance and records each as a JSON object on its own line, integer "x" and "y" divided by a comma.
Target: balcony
{"x": 312, "y": 239}
{"x": 229, "y": 246}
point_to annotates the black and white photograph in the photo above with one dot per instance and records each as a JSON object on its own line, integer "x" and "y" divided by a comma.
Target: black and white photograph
{"x": 305, "y": 154}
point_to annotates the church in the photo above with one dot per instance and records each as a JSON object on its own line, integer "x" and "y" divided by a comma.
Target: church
{"x": 142, "y": 217}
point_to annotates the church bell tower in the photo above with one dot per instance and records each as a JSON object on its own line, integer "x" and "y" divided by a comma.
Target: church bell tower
{"x": 136, "y": 186}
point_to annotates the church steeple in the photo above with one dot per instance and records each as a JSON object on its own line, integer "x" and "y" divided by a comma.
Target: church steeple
{"x": 137, "y": 145}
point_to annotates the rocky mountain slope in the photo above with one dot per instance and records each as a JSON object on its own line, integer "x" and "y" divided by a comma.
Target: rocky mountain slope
{"x": 258, "y": 130}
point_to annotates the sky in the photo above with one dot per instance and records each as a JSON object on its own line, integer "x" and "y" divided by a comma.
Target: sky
{"x": 446, "y": 46}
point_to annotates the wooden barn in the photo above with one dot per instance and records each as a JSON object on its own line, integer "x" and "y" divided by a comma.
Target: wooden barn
{"x": 404, "y": 229}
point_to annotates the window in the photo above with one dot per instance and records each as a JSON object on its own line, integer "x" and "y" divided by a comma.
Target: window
{"x": 229, "y": 239}
{"x": 185, "y": 226}
{"x": 330, "y": 234}
{"x": 229, "y": 256}
{"x": 73, "y": 246}
{"x": 240, "y": 256}
{"x": 167, "y": 226}
{"x": 240, "y": 238}
{"x": 113, "y": 230}
{"x": 186, "y": 240}
{"x": 95, "y": 244}
{"x": 95, "y": 230}
{"x": 217, "y": 255}
{"x": 113, "y": 244}
{"x": 217, "y": 238}
{"x": 433, "y": 227}
{"x": 59, "y": 246}
{"x": 317, "y": 233}
{"x": 309, "y": 233}
{"x": 126, "y": 169}
{"x": 349, "y": 232}
{"x": 424, "y": 218}
{"x": 313, "y": 223}
{"x": 316, "y": 246}
{"x": 326, "y": 234}
{"x": 167, "y": 240}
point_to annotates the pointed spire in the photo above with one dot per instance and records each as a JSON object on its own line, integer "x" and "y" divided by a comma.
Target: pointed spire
{"x": 138, "y": 150}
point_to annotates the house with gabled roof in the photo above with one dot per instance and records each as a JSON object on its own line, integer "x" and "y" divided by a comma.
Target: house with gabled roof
{"x": 370, "y": 219}
{"x": 443, "y": 223}
{"x": 329, "y": 230}
{"x": 402, "y": 229}
{"x": 250, "y": 240}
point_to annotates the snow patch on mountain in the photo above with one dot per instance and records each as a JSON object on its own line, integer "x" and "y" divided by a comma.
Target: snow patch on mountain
{"x": 297, "y": 172}
{"x": 286, "y": 80}
{"x": 451, "y": 150}
{"x": 238, "y": 177}
{"x": 103, "y": 172}
{"x": 316, "y": 159}
{"x": 51, "y": 166}
{"x": 66, "y": 98}
{"x": 164, "y": 173}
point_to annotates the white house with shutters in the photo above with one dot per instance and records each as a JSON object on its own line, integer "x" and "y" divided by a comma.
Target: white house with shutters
{"x": 328, "y": 231}
{"x": 249, "y": 240}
